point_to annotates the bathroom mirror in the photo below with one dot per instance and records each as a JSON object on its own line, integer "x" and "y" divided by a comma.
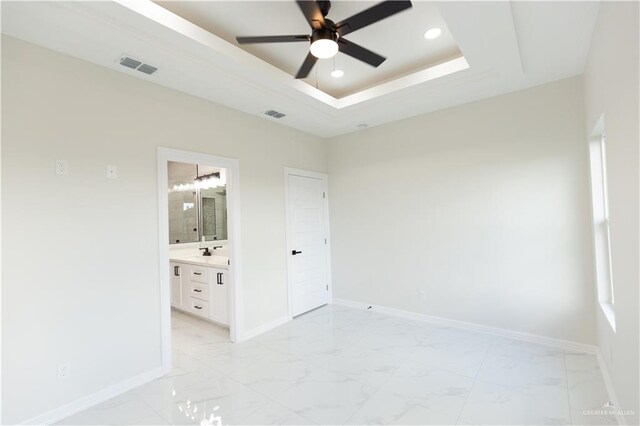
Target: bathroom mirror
{"x": 197, "y": 203}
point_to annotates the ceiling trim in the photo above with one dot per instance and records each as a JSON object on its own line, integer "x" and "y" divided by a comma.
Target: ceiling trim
{"x": 170, "y": 20}
{"x": 446, "y": 68}
{"x": 505, "y": 47}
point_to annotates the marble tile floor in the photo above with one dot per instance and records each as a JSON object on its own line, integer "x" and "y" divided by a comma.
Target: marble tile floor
{"x": 338, "y": 365}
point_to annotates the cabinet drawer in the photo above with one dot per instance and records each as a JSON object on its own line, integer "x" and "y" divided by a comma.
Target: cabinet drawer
{"x": 199, "y": 307}
{"x": 198, "y": 274}
{"x": 199, "y": 291}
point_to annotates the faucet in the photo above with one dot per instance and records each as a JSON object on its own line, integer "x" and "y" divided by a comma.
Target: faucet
{"x": 206, "y": 251}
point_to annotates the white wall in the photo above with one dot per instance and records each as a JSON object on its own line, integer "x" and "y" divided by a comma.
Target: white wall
{"x": 484, "y": 207}
{"x": 611, "y": 88}
{"x": 80, "y": 276}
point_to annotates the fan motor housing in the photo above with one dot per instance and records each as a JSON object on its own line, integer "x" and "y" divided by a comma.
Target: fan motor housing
{"x": 324, "y": 34}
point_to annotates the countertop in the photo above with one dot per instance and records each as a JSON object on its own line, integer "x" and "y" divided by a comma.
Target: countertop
{"x": 212, "y": 261}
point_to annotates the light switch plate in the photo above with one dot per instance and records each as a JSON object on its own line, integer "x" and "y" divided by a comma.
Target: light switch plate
{"x": 112, "y": 172}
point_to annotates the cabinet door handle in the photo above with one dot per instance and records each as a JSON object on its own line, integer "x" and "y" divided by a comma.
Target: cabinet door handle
{"x": 198, "y": 307}
{"x": 197, "y": 290}
{"x": 219, "y": 281}
{"x": 197, "y": 273}
{"x": 294, "y": 252}
{"x": 176, "y": 271}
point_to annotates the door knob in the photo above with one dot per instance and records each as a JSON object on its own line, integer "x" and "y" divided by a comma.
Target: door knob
{"x": 294, "y": 252}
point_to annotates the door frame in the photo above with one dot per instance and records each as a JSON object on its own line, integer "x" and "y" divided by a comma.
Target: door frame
{"x": 234, "y": 240}
{"x": 289, "y": 171}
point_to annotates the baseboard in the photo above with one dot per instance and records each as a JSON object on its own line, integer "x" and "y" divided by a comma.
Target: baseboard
{"x": 264, "y": 328}
{"x": 88, "y": 401}
{"x": 608, "y": 383}
{"x": 446, "y": 322}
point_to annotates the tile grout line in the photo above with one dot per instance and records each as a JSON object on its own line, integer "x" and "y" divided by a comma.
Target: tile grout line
{"x": 566, "y": 379}
{"x": 149, "y": 405}
{"x": 475, "y": 379}
{"x": 272, "y": 400}
{"x": 360, "y": 407}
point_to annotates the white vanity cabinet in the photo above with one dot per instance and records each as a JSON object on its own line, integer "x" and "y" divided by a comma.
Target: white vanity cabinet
{"x": 176, "y": 284}
{"x": 219, "y": 296}
{"x": 200, "y": 290}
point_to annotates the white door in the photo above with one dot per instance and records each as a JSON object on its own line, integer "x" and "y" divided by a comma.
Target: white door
{"x": 307, "y": 233}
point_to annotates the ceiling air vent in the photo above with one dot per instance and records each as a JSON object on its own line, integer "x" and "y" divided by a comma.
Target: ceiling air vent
{"x": 134, "y": 64}
{"x": 130, "y": 62}
{"x": 147, "y": 69}
{"x": 274, "y": 114}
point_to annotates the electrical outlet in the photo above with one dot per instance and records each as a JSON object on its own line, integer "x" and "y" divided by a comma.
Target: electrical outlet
{"x": 64, "y": 371}
{"x": 62, "y": 167}
{"x": 112, "y": 172}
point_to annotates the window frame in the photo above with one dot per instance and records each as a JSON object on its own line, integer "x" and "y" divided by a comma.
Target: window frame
{"x": 601, "y": 223}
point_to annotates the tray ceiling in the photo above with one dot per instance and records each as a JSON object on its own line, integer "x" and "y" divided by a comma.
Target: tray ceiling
{"x": 399, "y": 38}
{"x": 507, "y": 46}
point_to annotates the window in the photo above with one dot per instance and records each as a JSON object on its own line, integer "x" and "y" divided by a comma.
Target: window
{"x": 601, "y": 232}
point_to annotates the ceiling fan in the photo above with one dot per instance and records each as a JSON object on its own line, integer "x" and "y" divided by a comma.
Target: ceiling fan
{"x": 326, "y": 37}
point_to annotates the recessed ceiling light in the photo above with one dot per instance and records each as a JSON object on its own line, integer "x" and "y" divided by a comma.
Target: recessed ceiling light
{"x": 433, "y": 33}
{"x": 337, "y": 73}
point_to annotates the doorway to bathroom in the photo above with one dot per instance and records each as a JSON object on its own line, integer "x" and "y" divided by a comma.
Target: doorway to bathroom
{"x": 199, "y": 249}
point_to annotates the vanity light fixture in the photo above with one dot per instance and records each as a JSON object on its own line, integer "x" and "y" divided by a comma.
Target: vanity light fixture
{"x": 210, "y": 180}
{"x": 213, "y": 175}
{"x": 433, "y": 33}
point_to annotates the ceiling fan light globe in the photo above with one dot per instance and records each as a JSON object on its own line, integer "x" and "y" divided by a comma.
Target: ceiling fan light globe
{"x": 324, "y": 48}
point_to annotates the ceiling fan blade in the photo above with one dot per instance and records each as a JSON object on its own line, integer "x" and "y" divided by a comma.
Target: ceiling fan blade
{"x": 372, "y": 15}
{"x": 312, "y": 13}
{"x": 356, "y": 51}
{"x": 308, "y": 63}
{"x": 272, "y": 39}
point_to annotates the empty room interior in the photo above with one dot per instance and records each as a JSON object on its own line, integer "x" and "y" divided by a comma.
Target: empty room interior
{"x": 320, "y": 213}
